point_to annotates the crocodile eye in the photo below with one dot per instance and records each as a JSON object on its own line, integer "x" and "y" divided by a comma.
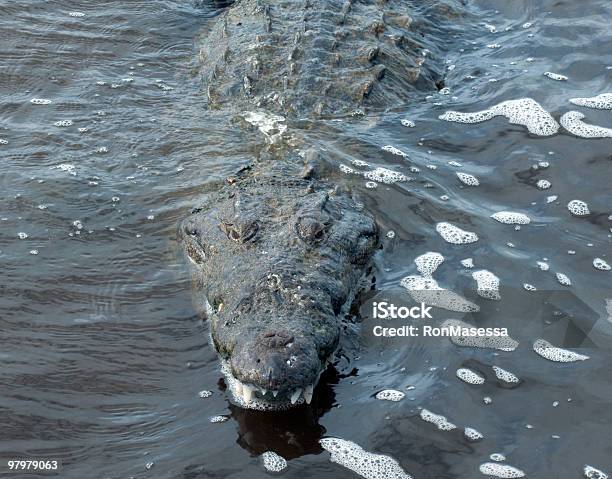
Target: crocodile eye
{"x": 310, "y": 230}
{"x": 240, "y": 233}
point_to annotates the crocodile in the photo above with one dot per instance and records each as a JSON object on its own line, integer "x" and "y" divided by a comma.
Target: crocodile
{"x": 277, "y": 253}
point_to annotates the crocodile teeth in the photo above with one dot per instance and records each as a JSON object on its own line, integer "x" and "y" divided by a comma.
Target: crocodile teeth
{"x": 238, "y": 388}
{"x": 275, "y": 393}
{"x": 308, "y": 390}
{"x": 296, "y": 395}
{"x": 247, "y": 393}
{"x": 264, "y": 392}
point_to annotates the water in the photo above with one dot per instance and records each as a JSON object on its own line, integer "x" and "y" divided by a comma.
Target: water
{"x": 102, "y": 354}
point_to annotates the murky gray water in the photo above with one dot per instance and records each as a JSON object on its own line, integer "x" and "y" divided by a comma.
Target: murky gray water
{"x": 102, "y": 356}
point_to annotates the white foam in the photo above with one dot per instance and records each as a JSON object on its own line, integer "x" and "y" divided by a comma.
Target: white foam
{"x": 524, "y": 111}
{"x": 3, "y": 142}
{"x": 22, "y": 235}
{"x": 555, "y": 76}
{"x": 498, "y": 457}
{"x": 601, "y": 265}
{"x": 76, "y": 14}
{"x": 360, "y": 163}
{"x": 600, "y": 102}
{"x": 393, "y": 150}
{"x": 487, "y": 284}
{"x": 384, "y": 175}
{"x": 455, "y": 235}
{"x": 270, "y": 125}
{"x": 40, "y": 101}
{"x": 472, "y": 434}
{"x": 467, "y": 263}
{"x": 529, "y": 287}
{"x": 552, "y": 353}
{"x": 63, "y": 123}
{"x": 426, "y": 290}
{"x": 511, "y": 218}
{"x": 371, "y": 185}
{"x": 218, "y": 419}
{"x": 364, "y": 463}
{"x": 503, "y": 471}
{"x": 408, "y": 123}
{"x": 469, "y": 180}
{"x": 347, "y": 169}
{"x": 428, "y": 263}
{"x": 578, "y": 208}
{"x": 543, "y": 265}
{"x": 543, "y": 184}
{"x": 591, "y": 473}
{"x": 505, "y": 376}
{"x": 273, "y": 462}
{"x": 502, "y": 343}
{"x": 390, "y": 395}
{"x": 550, "y": 199}
{"x": 440, "y": 421}
{"x": 563, "y": 279}
{"x": 203, "y": 394}
{"x": 469, "y": 376}
{"x": 572, "y": 122}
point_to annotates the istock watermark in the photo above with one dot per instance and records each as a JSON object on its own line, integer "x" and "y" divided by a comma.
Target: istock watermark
{"x": 386, "y": 310}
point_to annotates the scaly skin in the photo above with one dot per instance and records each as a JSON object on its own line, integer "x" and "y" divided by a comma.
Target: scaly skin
{"x": 279, "y": 251}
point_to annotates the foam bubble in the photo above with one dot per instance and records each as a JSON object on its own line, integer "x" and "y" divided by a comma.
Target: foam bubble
{"x": 371, "y": 185}
{"x": 347, "y": 169}
{"x": 467, "y": 263}
{"x": 550, "y": 199}
{"x": 360, "y": 163}
{"x": 426, "y": 290}
{"x": 270, "y": 125}
{"x": 503, "y": 471}
{"x": 383, "y": 175}
{"x": 555, "y": 76}
{"x": 601, "y": 265}
{"x": 394, "y": 151}
{"x": 273, "y": 462}
{"x": 496, "y": 456}
{"x": 502, "y": 343}
{"x": 440, "y": 421}
{"x": 408, "y": 123}
{"x": 76, "y": 14}
{"x": 40, "y": 101}
{"x": 22, "y": 235}
{"x": 543, "y": 184}
{"x": 552, "y": 353}
{"x": 390, "y": 395}
{"x": 487, "y": 284}
{"x": 572, "y": 122}
{"x": 63, "y": 123}
{"x": 364, "y": 463}
{"x": 524, "y": 111}
{"x": 469, "y": 376}
{"x": 505, "y": 376}
{"x": 543, "y": 266}
{"x": 455, "y": 235}
{"x": 563, "y": 279}
{"x": 472, "y": 434}
{"x": 578, "y": 208}
{"x": 529, "y": 287}
{"x": 591, "y": 473}
{"x": 600, "y": 102}
{"x": 428, "y": 263}
{"x": 218, "y": 419}
{"x": 3, "y": 142}
{"x": 468, "y": 180}
{"x": 203, "y": 394}
{"x": 511, "y": 218}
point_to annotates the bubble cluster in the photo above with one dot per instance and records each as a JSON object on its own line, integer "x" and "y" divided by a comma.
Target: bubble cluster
{"x": 205, "y": 394}
{"x": 525, "y": 111}
{"x": 503, "y": 471}
{"x": 394, "y": 151}
{"x": 529, "y": 287}
{"x": 543, "y": 184}
{"x": 428, "y": 263}
{"x": 469, "y": 180}
{"x": 273, "y": 462}
{"x": 487, "y": 284}
{"x": 364, "y": 463}
{"x": 572, "y": 122}
{"x": 511, "y": 218}
{"x": 408, "y": 123}
{"x": 578, "y": 208}
{"x": 600, "y": 102}
{"x": 502, "y": 343}
{"x": 440, "y": 421}
{"x": 218, "y": 419}
{"x": 455, "y": 235}
{"x": 555, "y": 76}
{"x": 3, "y": 142}
{"x": 63, "y": 123}
{"x": 505, "y": 376}
{"x": 601, "y": 265}
{"x": 472, "y": 434}
{"x": 467, "y": 263}
{"x": 40, "y": 101}
{"x": 591, "y": 473}
{"x": 76, "y": 14}
{"x": 426, "y": 290}
{"x": 563, "y": 279}
{"x": 469, "y": 376}
{"x": 497, "y": 457}
{"x": 270, "y": 125}
{"x": 390, "y": 395}
{"x": 552, "y": 353}
{"x": 383, "y": 175}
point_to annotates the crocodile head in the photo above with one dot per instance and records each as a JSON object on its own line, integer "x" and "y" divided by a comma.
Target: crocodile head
{"x": 273, "y": 266}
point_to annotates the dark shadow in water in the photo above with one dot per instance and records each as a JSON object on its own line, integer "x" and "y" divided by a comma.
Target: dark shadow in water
{"x": 293, "y": 433}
